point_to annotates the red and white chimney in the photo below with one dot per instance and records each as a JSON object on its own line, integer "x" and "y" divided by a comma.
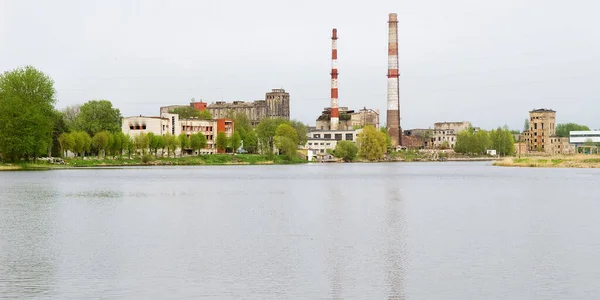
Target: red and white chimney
{"x": 335, "y": 117}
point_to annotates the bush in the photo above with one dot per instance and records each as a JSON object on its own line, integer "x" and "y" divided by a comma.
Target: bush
{"x": 146, "y": 158}
{"x": 346, "y": 150}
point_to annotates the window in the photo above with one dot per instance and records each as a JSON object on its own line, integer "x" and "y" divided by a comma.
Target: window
{"x": 534, "y": 125}
{"x": 327, "y": 144}
{"x": 327, "y": 136}
{"x": 338, "y": 136}
{"x": 310, "y": 144}
{"x": 349, "y": 137}
{"x": 317, "y": 136}
{"x": 322, "y": 144}
{"x": 130, "y": 127}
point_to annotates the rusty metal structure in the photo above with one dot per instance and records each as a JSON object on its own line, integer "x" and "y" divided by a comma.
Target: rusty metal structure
{"x": 335, "y": 117}
{"x": 393, "y": 89}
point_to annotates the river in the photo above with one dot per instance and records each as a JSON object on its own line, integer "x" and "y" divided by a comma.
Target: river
{"x": 317, "y": 231}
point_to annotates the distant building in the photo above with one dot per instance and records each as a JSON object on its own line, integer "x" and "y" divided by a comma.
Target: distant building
{"x": 275, "y": 105}
{"x": 171, "y": 124}
{"x": 542, "y": 124}
{"x": 541, "y": 136}
{"x": 579, "y": 138}
{"x": 444, "y": 133}
{"x": 322, "y": 140}
{"x": 349, "y": 119}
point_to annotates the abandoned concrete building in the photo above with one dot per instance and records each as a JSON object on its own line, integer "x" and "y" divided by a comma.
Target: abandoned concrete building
{"x": 444, "y": 133}
{"x": 275, "y": 105}
{"x": 349, "y": 119}
{"x": 541, "y": 136}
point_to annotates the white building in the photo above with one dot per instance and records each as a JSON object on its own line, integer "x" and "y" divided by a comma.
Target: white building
{"x": 322, "y": 140}
{"x": 171, "y": 124}
{"x": 580, "y": 137}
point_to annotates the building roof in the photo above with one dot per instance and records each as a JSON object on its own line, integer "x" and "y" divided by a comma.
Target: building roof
{"x": 540, "y": 110}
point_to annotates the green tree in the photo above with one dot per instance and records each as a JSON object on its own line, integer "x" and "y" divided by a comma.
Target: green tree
{"x": 346, "y": 150}
{"x": 67, "y": 143}
{"x": 100, "y": 141}
{"x": 471, "y": 142}
{"x": 184, "y": 142}
{"x": 371, "y": 144}
{"x": 251, "y": 142}
{"x": 151, "y": 142}
{"x": 120, "y": 143}
{"x": 301, "y": 131}
{"x": 171, "y": 143}
{"x": 286, "y": 130}
{"x": 221, "y": 141}
{"x": 388, "y": 138}
{"x": 60, "y": 127}
{"x": 526, "y": 125}
{"x": 198, "y": 142}
{"x": 564, "y": 130}
{"x": 130, "y": 144}
{"x": 159, "y": 143}
{"x": 141, "y": 142}
{"x": 205, "y": 115}
{"x": 26, "y": 113}
{"x": 189, "y": 112}
{"x": 287, "y": 146}
{"x": 98, "y": 115}
{"x": 83, "y": 141}
{"x": 502, "y": 141}
{"x": 265, "y": 131}
{"x": 236, "y": 141}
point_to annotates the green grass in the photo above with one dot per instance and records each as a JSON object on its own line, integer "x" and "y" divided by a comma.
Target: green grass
{"x": 214, "y": 159}
{"x": 592, "y": 160}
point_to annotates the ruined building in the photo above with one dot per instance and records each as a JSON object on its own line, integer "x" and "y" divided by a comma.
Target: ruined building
{"x": 275, "y": 105}
{"x": 348, "y": 119}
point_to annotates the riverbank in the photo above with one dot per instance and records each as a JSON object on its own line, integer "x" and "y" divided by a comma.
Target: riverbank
{"x": 214, "y": 160}
{"x": 557, "y": 161}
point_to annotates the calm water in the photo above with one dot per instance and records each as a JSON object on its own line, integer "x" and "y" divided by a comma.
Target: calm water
{"x": 341, "y": 231}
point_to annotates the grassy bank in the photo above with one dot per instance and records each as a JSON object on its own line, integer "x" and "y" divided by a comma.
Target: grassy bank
{"x": 216, "y": 159}
{"x": 558, "y": 161}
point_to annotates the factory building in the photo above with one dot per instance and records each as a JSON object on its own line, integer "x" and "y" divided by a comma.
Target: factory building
{"x": 322, "y": 140}
{"x": 348, "y": 119}
{"x": 275, "y": 105}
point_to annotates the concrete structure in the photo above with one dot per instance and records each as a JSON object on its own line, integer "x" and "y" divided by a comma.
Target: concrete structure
{"x": 393, "y": 89}
{"x": 275, "y": 105}
{"x": 444, "y": 133}
{"x": 541, "y": 127}
{"x": 322, "y": 140}
{"x": 334, "y": 82}
{"x": 348, "y": 119}
{"x": 560, "y": 145}
{"x": 579, "y": 138}
{"x": 171, "y": 124}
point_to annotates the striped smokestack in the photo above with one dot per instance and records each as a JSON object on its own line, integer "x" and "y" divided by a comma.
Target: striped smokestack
{"x": 335, "y": 117}
{"x": 393, "y": 92}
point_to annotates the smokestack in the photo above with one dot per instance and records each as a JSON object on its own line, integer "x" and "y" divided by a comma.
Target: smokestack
{"x": 393, "y": 93}
{"x": 335, "y": 117}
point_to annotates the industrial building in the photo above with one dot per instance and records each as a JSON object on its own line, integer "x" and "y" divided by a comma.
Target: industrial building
{"x": 348, "y": 119}
{"x": 275, "y": 105}
{"x": 541, "y": 136}
{"x": 322, "y": 140}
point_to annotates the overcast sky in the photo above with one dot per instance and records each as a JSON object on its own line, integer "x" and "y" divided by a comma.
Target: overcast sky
{"x": 488, "y": 62}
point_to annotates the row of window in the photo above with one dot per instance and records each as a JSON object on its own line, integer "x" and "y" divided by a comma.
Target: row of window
{"x": 196, "y": 128}
{"x": 337, "y": 136}
{"x": 316, "y": 144}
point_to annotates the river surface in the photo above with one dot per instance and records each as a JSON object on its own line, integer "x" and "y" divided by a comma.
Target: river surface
{"x": 318, "y": 231}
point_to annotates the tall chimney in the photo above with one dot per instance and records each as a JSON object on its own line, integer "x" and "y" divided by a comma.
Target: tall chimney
{"x": 335, "y": 117}
{"x": 393, "y": 92}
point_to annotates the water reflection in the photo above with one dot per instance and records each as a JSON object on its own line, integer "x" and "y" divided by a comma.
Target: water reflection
{"x": 395, "y": 239}
{"x": 333, "y": 216}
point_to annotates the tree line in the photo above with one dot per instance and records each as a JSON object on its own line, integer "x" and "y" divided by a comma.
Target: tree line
{"x": 477, "y": 142}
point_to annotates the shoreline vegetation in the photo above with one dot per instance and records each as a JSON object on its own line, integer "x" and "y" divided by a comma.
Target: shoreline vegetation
{"x": 208, "y": 160}
{"x": 555, "y": 161}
